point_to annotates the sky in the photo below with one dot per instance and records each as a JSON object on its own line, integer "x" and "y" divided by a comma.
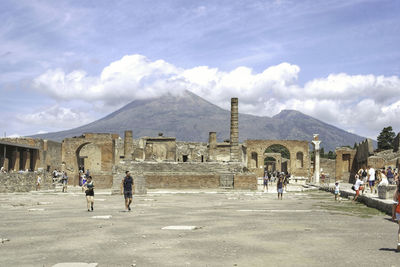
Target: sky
{"x": 67, "y": 63}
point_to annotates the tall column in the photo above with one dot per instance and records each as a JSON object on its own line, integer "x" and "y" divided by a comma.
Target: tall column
{"x": 316, "y": 144}
{"x": 26, "y": 160}
{"x": 15, "y": 160}
{"x": 128, "y": 145}
{"x": 212, "y": 145}
{"x": 234, "y": 140}
{"x": 35, "y": 159}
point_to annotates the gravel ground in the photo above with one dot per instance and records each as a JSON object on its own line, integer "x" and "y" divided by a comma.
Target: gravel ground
{"x": 232, "y": 229}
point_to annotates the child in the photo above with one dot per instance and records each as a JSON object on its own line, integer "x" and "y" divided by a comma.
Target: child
{"x": 337, "y": 191}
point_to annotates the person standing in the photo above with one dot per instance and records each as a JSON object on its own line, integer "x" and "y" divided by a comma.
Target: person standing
{"x": 396, "y": 213}
{"x": 279, "y": 187}
{"x": 265, "y": 182}
{"x": 390, "y": 175}
{"x": 89, "y": 191}
{"x": 38, "y": 182}
{"x": 64, "y": 182}
{"x": 127, "y": 186}
{"x": 337, "y": 191}
{"x": 371, "y": 178}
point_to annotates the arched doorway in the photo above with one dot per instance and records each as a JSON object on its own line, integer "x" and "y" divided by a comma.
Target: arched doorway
{"x": 284, "y": 164}
{"x": 269, "y": 164}
{"x": 88, "y": 157}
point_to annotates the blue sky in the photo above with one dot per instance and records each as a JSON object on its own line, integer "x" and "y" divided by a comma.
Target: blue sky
{"x": 66, "y": 63}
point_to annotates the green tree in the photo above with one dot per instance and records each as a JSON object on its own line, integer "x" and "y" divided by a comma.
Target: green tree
{"x": 385, "y": 138}
{"x": 355, "y": 145}
{"x": 322, "y": 152}
{"x": 279, "y": 149}
{"x": 331, "y": 155}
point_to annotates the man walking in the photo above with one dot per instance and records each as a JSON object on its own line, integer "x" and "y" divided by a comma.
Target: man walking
{"x": 127, "y": 185}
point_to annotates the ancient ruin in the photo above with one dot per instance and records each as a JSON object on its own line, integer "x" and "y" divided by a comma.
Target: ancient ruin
{"x": 164, "y": 162}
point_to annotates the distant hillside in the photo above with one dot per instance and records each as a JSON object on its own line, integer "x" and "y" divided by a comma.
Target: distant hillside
{"x": 190, "y": 118}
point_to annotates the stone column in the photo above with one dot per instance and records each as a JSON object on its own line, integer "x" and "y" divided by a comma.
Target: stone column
{"x": 212, "y": 145}
{"x": 35, "y": 159}
{"x": 15, "y": 161}
{"x": 316, "y": 144}
{"x": 26, "y": 160}
{"x": 234, "y": 140}
{"x": 128, "y": 145}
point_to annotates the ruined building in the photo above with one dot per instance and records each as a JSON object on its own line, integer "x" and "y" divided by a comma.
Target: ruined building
{"x": 160, "y": 162}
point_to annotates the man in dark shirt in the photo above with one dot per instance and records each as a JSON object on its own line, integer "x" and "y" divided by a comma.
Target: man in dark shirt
{"x": 127, "y": 186}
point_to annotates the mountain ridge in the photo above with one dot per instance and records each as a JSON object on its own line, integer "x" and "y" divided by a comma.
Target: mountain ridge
{"x": 189, "y": 117}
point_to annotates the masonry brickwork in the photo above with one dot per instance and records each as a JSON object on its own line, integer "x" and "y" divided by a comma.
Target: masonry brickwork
{"x": 24, "y": 182}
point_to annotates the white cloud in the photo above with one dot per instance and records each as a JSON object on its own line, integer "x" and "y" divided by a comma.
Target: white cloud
{"x": 361, "y": 103}
{"x": 56, "y": 117}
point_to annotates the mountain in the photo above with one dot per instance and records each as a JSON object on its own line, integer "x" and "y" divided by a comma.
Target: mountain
{"x": 190, "y": 118}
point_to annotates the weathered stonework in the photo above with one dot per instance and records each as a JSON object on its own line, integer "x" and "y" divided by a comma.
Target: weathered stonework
{"x": 23, "y": 182}
{"x": 345, "y": 166}
{"x": 102, "y": 147}
{"x": 256, "y": 150}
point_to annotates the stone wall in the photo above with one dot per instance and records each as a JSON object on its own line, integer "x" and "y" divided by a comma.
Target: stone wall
{"x": 296, "y": 148}
{"x": 328, "y": 167}
{"x": 105, "y": 151}
{"x": 168, "y": 174}
{"x": 23, "y": 182}
{"x": 345, "y": 167}
{"x": 51, "y": 155}
{"x": 245, "y": 182}
{"x": 181, "y": 181}
{"x": 191, "y": 151}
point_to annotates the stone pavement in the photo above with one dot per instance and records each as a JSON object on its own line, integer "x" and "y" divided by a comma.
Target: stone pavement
{"x": 194, "y": 229}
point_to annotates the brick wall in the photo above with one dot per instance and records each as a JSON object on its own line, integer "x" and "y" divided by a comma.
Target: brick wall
{"x": 245, "y": 182}
{"x": 182, "y": 181}
{"x": 23, "y": 182}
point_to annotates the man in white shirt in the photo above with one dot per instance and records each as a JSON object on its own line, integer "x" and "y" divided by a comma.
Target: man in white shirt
{"x": 371, "y": 178}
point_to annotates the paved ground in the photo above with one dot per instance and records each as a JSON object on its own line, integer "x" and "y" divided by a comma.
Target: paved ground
{"x": 234, "y": 229}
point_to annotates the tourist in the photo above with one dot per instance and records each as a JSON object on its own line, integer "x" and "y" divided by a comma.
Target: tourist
{"x": 127, "y": 186}
{"x": 390, "y": 175}
{"x": 89, "y": 191}
{"x": 337, "y": 191}
{"x": 87, "y": 173}
{"x": 285, "y": 180}
{"x": 383, "y": 181}
{"x": 265, "y": 182}
{"x": 64, "y": 182}
{"x": 371, "y": 178}
{"x": 38, "y": 182}
{"x": 83, "y": 177}
{"x": 396, "y": 213}
{"x": 269, "y": 177}
{"x": 279, "y": 186}
{"x": 357, "y": 187}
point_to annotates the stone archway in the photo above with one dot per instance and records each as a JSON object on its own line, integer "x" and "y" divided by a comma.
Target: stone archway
{"x": 295, "y": 148}
{"x": 99, "y": 150}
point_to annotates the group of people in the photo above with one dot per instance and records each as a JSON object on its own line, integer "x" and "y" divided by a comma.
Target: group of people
{"x": 373, "y": 178}
{"x": 61, "y": 177}
{"x": 281, "y": 178}
{"x": 127, "y": 188}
